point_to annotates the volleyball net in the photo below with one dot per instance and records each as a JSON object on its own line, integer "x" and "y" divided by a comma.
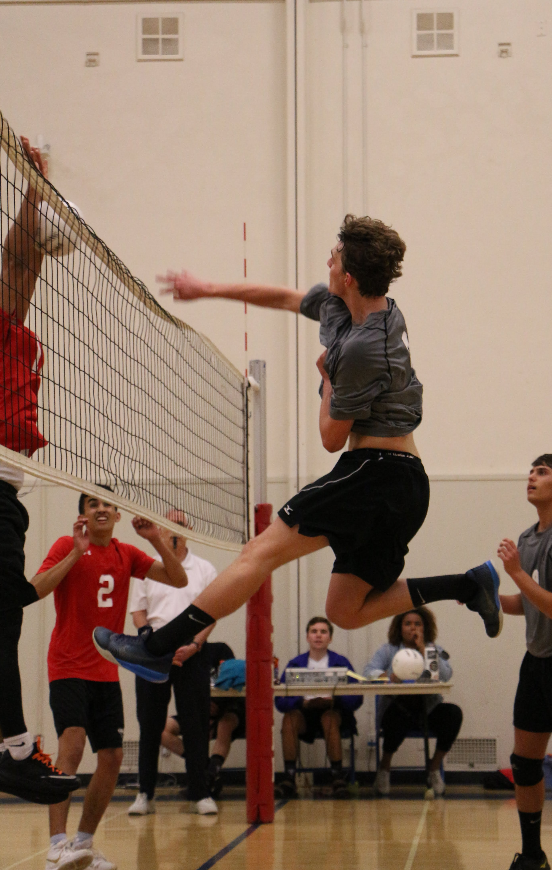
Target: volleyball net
{"x": 130, "y": 397}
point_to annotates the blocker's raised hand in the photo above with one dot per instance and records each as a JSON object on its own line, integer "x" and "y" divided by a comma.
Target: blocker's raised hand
{"x": 509, "y": 554}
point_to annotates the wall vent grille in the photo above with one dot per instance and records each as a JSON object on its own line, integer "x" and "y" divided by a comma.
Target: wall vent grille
{"x": 473, "y": 753}
{"x": 130, "y": 756}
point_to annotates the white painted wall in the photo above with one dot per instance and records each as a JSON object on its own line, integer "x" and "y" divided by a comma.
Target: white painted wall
{"x": 167, "y": 161}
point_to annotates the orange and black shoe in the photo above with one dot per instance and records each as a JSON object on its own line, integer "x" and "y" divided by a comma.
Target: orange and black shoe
{"x": 35, "y": 778}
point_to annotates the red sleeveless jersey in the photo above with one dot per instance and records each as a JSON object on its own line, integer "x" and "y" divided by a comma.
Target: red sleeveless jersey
{"x": 94, "y": 592}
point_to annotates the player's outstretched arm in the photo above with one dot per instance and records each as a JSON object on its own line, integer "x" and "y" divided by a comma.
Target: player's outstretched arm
{"x": 47, "y": 581}
{"x": 21, "y": 260}
{"x": 185, "y": 286}
{"x": 170, "y": 571}
{"x": 539, "y": 597}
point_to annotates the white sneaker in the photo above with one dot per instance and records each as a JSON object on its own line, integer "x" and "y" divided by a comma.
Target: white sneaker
{"x": 382, "y": 784}
{"x": 63, "y": 857}
{"x": 100, "y": 862}
{"x": 142, "y": 806}
{"x": 206, "y": 807}
{"x": 436, "y": 782}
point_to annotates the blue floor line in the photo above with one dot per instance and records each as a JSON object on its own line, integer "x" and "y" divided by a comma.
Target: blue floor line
{"x": 248, "y": 831}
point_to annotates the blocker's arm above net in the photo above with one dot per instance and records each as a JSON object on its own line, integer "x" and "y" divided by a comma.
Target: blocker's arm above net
{"x": 129, "y": 396}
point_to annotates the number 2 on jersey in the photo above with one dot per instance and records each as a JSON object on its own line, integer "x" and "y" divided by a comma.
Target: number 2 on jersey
{"x": 107, "y": 584}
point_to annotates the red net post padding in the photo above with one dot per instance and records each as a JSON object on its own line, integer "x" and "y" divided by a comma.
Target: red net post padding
{"x": 259, "y": 694}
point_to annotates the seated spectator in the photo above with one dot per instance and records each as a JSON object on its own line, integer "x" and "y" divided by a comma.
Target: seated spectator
{"x": 400, "y": 714}
{"x": 306, "y": 718}
{"x": 226, "y": 723}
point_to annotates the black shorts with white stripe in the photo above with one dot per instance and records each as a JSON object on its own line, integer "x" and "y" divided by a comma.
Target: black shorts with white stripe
{"x": 369, "y": 507}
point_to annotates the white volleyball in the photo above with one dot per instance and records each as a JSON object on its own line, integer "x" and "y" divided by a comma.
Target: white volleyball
{"x": 408, "y": 664}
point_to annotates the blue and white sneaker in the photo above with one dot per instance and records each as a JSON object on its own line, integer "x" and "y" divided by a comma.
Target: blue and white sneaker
{"x": 130, "y": 652}
{"x": 486, "y": 601}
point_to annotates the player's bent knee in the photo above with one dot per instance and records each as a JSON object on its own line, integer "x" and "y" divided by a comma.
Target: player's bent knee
{"x": 526, "y": 771}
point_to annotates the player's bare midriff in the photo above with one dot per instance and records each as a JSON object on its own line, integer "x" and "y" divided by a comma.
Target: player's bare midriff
{"x": 401, "y": 442}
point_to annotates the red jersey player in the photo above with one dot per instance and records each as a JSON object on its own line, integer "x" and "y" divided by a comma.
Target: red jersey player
{"x": 24, "y": 770}
{"x": 90, "y": 576}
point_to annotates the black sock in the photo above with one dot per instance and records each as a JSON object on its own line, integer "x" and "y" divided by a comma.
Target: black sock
{"x": 531, "y": 834}
{"x": 179, "y": 631}
{"x": 215, "y": 764}
{"x": 336, "y": 768}
{"x": 290, "y": 768}
{"x": 457, "y": 587}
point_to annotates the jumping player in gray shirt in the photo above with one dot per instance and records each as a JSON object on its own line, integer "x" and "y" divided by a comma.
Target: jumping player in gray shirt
{"x": 530, "y": 567}
{"x": 373, "y": 502}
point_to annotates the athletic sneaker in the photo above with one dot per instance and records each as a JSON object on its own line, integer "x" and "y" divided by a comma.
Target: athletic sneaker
{"x": 286, "y": 788}
{"x": 35, "y": 778}
{"x": 142, "y": 806}
{"x": 130, "y": 652}
{"x": 214, "y": 784}
{"x": 206, "y": 807}
{"x": 436, "y": 782}
{"x": 100, "y": 862}
{"x": 486, "y": 601}
{"x": 520, "y": 862}
{"x": 382, "y": 783}
{"x": 62, "y": 856}
{"x": 339, "y": 787}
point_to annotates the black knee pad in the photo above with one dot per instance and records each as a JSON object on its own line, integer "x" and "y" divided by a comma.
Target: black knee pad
{"x": 527, "y": 771}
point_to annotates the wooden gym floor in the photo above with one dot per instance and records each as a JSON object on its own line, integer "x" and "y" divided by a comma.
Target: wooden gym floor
{"x": 468, "y": 829}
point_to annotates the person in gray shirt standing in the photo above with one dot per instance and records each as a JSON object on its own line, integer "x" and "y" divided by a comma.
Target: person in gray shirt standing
{"x": 530, "y": 567}
{"x": 370, "y": 506}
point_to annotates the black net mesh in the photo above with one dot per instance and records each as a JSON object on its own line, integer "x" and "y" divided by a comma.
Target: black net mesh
{"x": 129, "y": 396}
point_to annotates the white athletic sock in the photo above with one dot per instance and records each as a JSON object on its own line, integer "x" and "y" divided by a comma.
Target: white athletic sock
{"x": 83, "y": 840}
{"x": 57, "y": 838}
{"x": 20, "y": 745}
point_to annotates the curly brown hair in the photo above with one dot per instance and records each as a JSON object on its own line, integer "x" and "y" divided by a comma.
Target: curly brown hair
{"x": 394, "y": 634}
{"x": 372, "y": 253}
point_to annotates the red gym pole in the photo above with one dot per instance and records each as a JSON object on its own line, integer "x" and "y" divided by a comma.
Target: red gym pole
{"x": 259, "y": 679}
{"x": 259, "y": 698}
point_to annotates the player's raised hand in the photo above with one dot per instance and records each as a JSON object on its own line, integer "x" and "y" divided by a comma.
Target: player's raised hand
{"x": 81, "y": 540}
{"x": 184, "y": 653}
{"x": 184, "y": 285}
{"x": 146, "y": 529}
{"x": 509, "y": 554}
{"x": 33, "y": 154}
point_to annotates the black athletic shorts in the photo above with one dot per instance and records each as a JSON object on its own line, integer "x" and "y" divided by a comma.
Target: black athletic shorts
{"x": 15, "y": 590}
{"x": 369, "y": 507}
{"x": 533, "y": 703}
{"x": 313, "y": 716}
{"x": 96, "y": 707}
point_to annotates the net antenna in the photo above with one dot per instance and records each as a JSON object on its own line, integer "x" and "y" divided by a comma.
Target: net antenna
{"x": 131, "y": 397}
